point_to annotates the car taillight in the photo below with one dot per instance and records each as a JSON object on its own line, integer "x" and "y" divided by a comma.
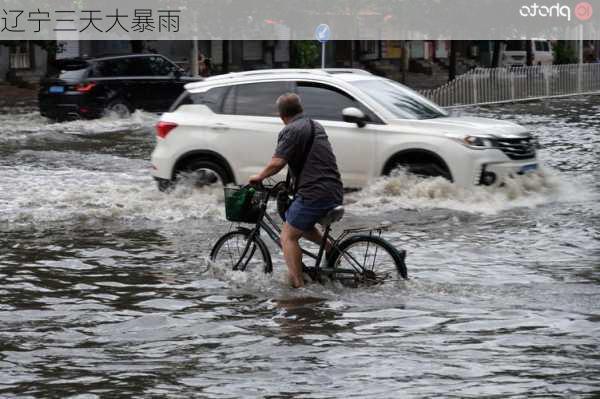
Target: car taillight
{"x": 163, "y": 128}
{"x": 85, "y": 87}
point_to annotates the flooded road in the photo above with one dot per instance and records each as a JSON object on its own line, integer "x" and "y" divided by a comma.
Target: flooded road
{"x": 106, "y": 292}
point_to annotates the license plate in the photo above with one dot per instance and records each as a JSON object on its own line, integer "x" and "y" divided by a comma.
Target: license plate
{"x": 56, "y": 89}
{"x": 528, "y": 168}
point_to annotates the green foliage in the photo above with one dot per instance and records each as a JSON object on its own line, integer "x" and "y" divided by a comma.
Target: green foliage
{"x": 564, "y": 53}
{"x": 304, "y": 54}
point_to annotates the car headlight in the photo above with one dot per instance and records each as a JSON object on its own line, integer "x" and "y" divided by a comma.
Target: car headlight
{"x": 478, "y": 142}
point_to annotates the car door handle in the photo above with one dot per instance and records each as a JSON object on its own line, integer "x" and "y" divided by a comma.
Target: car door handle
{"x": 219, "y": 126}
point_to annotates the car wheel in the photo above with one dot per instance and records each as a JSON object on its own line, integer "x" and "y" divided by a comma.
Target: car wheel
{"x": 429, "y": 169}
{"x": 119, "y": 107}
{"x": 201, "y": 173}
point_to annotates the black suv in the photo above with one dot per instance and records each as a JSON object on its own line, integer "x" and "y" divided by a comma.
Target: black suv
{"x": 87, "y": 88}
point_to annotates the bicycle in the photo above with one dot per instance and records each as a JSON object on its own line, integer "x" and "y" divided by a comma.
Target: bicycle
{"x": 346, "y": 262}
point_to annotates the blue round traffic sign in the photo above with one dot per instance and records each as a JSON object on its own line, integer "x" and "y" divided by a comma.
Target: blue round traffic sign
{"x": 323, "y": 33}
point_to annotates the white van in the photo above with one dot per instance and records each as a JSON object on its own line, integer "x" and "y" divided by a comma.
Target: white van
{"x": 542, "y": 52}
{"x": 515, "y": 53}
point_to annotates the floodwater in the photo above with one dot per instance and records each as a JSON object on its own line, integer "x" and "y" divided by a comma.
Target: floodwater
{"x": 105, "y": 289}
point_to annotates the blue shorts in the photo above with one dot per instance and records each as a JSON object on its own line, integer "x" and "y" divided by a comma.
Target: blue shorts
{"x": 304, "y": 214}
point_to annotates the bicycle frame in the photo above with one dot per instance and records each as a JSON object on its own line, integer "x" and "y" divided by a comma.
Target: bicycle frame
{"x": 266, "y": 223}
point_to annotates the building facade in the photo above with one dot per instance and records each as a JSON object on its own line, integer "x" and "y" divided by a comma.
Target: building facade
{"x": 22, "y": 61}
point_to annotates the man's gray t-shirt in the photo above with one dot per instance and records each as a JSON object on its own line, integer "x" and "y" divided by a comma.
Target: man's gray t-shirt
{"x": 320, "y": 178}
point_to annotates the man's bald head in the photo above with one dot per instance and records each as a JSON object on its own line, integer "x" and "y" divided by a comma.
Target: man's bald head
{"x": 289, "y": 105}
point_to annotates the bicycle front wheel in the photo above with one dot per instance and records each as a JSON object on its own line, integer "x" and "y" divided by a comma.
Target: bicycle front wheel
{"x": 237, "y": 251}
{"x": 368, "y": 259}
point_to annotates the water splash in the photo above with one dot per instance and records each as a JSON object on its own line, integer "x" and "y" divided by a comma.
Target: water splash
{"x": 30, "y": 124}
{"x": 80, "y": 195}
{"x": 403, "y": 190}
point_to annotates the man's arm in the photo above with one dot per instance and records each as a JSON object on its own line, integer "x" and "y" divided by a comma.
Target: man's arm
{"x": 271, "y": 169}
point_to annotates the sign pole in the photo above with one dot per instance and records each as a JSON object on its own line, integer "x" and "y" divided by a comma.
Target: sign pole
{"x": 323, "y": 34}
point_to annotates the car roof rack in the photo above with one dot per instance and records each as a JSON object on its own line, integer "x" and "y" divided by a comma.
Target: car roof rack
{"x": 357, "y": 71}
{"x": 266, "y": 72}
{"x": 260, "y": 72}
{"x": 315, "y": 71}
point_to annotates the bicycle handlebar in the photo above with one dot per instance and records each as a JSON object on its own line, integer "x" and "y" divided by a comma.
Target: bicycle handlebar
{"x": 269, "y": 189}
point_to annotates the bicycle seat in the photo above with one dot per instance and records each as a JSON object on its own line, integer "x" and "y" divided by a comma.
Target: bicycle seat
{"x": 334, "y": 215}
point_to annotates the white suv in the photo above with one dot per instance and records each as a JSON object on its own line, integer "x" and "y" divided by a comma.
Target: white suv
{"x": 224, "y": 129}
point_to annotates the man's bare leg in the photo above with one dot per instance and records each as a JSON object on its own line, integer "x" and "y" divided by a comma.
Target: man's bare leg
{"x": 316, "y": 236}
{"x": 292, "y": 254}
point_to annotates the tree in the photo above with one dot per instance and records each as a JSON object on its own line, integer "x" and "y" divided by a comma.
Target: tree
{"x": 452, "y": 60}
{"x": 529, "y": 52}
{"x": 225, "y": 63}
{"x": 497, "y": 51}
{"x": 304, "y": 54}
{"x": 564, "y": 53}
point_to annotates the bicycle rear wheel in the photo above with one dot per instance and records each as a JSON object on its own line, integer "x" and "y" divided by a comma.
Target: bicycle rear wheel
{"x": 368, "y": 259}
{"x": 236, "y": 252}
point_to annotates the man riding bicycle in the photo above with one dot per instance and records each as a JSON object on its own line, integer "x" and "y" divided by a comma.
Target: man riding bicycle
{"x": 304, "y": 147}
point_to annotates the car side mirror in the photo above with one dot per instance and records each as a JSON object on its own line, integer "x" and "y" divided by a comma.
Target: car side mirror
{"x": 354, "y": 115}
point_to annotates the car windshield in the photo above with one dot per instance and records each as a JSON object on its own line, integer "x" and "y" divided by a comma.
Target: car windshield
{"x": 399, "y": 100}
